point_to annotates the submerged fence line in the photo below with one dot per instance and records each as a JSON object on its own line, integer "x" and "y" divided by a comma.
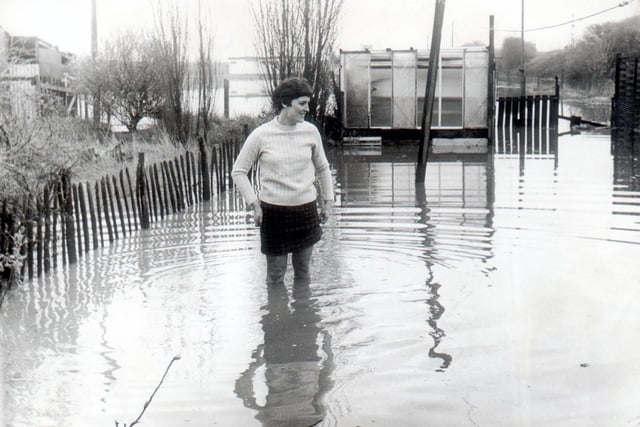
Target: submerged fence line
{"x": 71, "y": 219}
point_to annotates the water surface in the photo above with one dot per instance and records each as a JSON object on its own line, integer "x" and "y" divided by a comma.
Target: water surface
{"x": 504, "y": 295}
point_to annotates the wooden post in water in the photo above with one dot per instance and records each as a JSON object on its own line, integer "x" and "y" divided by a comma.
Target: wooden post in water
{"x": 28, "y": 221}
{"x": 68, "y": 220}
{"x": 83, "y": 212}
{"x": 124, "y": 198}
{"x": 39, "y": 236}
{"x": 92, "y": 216}
{"x": 553, "y": 108}
{"x": 132, "y": 195}
{"x": 204, "y": 171}
{"x": 170, "y": 180}
{"x": 153, "y": 193}
{"x": 427, "y": 112}
{"x": 114, "y": 219}
{"x": 105, "y": 209}
{"x": 46, "y": 210}
{"x": 156, "y": 183}
{"x": 76, "y": 213}
{"x": 116, "y": 195}
{"x": 99, "y": 213}
{"x": 194, "y": 178}
{"x": 141, "y": 193}
{"x": 54, "y": 226}
{"x": 190, "y": 183}
{"x": 491, "y": 88}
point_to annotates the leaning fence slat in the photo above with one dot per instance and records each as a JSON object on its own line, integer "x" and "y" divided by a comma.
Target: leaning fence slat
{"x": 173, "y": 186}
{"x": 72, "y": 256}
{"x": 92, "y": 216}
{"x": 116, "y": 196}
{"x": 30, "y": 241}
{"x": 99, "y": 213}
{"x": 178, "y": 183}
{"x": 204, "y": 171}
{"x": 54, "y": 226}
{"x": 186, "y": 171}
{"x": 105, "y": 209}
{"x": 141, "y": 193}
{"x": 155, "y": 205}
{"x": 147, "y": 185}
{"x": 124, "y": 199}
{"x": 46, "y": 212}
{"x": 156, "y": 184}
{"x": 112, "y": 207}
{"x": 132, "y": 196}
{"x": 83, "y": 213}
{"x": 78, "y": 220}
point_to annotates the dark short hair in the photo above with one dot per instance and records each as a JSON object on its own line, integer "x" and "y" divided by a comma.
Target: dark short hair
{"x": 288, "y": 90}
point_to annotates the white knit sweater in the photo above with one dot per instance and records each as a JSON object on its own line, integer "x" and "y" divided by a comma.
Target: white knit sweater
{"x": 289, "y": 158}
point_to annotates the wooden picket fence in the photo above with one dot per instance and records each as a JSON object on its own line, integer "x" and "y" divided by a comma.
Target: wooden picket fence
{"x": 71, "y": 219}
{"x": 527, "y": 124}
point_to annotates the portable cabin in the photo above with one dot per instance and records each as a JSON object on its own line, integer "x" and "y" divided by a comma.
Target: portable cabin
{"x": 382, "y": 92}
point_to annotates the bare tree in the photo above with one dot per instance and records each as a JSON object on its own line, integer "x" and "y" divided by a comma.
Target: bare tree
{"x": 171, "y": 36}
{"x": 127, "y": 78}
{"x": 297, "y": 38}
{"x": 207, "y": 73}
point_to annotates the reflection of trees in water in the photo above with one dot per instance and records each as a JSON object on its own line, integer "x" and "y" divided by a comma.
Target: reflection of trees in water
{"x": 295, "y": 374}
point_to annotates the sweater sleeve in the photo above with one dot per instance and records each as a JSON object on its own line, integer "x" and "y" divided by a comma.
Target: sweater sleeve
{"x": 247, "y": 157}
{"x": 323, "y": 171}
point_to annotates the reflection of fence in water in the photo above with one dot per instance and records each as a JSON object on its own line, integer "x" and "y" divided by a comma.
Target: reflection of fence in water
{"x": 458, "y": 198}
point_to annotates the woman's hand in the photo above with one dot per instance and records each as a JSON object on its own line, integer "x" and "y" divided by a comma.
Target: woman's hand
{"x": 325, "y": 210}
{"x": 257, "y": 213}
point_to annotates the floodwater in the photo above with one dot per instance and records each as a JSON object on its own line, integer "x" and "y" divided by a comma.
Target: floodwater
{"x": 508, "y": 298}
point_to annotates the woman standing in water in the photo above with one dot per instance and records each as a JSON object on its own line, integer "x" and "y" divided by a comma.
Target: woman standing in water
{"x": 290, "y": 156}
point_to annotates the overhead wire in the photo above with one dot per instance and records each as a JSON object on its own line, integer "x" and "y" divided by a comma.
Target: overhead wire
{"x": 622, "y": 4}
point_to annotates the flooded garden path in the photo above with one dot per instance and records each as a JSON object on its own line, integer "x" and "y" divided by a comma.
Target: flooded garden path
{"x": 508, "y": 298}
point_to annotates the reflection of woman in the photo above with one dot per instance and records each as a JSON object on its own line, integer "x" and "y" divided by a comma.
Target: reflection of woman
{"x": 296, "y": 376}
{"x": 290, "y": 156}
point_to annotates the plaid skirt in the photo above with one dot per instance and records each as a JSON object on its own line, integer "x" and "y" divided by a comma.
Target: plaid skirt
{"x": 287, "y": 229}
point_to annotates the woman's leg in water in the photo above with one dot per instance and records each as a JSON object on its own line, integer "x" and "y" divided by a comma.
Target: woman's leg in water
{"x": 301, "y": 262}
{"x": 276, "y": 269}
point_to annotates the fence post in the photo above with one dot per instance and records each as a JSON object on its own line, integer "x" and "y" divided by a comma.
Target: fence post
{"x": 204, "y": 171}
{"x": 141, "y": 193}
{"x": 46, "y": 209}
{"x": 68, "y": 220}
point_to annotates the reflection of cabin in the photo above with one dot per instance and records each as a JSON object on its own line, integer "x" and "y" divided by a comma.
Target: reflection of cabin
{"x": 30, "y": 67}
{"x": 382, "y": 92}
{"x": 459, "y": 196}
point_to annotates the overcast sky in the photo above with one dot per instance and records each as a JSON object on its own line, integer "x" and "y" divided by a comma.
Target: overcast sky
{"x": 376, "y": 23}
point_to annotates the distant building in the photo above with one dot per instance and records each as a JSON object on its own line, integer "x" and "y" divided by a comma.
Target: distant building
{"x": 245, "y": 90}
{"x": 30, "y": 67}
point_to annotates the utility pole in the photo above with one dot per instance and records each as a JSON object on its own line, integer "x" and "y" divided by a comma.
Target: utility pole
{"x": 430, "y": 90}
{"x": 523, "y": 78}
